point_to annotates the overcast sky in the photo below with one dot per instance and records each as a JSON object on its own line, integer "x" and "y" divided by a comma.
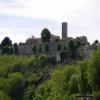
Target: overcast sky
{"x": 19, "y": 19}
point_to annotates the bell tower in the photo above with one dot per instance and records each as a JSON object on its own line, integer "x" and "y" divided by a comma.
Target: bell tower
{"x": 64, "y": 30}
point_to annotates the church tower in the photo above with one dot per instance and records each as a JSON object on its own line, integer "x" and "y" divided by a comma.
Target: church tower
{"x": 64, "y": 30}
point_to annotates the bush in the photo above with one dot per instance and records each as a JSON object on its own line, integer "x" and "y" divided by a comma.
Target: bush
{"x": 96, "y": 95}
{"x": 4, "y": 96}
{"x": 94, "y": 71}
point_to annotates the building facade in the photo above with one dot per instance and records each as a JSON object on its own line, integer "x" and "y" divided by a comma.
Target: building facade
{"x": 25, "y": 49}
{"x": 87, "y": 50}
{"x": 57, "y": 45}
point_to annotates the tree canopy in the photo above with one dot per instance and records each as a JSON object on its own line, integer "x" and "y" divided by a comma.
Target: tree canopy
{"x": 6, "y": 42}
{"x": 38, "y": 78}
{"x": 73, "y": 48}
{"x": 94, "y": 70}
{"x": 72, "y": 45}
{"x": 6, "y": 46}
{"x": 96, "y": 41}
{"x": 45, "y": 35}
{"x": 34, "y": 48}
{"x": 47, "y": 47}
{"x": 59, "y": 48}
{"x": 15, "y": 48}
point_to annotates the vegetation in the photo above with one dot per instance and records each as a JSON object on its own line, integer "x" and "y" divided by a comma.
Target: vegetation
{"x": 39, "y": 78}
{"x": 6, "y": 46}
{"x": 40, "y": 48}
{"x": 34, "y": 49}
{"x": 59, "y": 48}
{"x": 7, "y": 50}
{"x": 47, "y": 47}
{"x": 46, "y": 35}
{"x": 73, "y": 46}
{"x": 96, "y": 42}
{"x": 6, "y": 42}
{"x": 15, "y": 48}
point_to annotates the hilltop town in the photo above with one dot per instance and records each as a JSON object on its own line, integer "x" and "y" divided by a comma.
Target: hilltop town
{"x": 55, "y": 47}
{"x": 61, "y": 49}
{"x": 50, "y": 68}
{"x": 49, "y": 49}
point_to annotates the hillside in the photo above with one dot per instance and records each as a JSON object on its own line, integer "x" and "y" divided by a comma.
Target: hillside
{"x": 40, "y": 78}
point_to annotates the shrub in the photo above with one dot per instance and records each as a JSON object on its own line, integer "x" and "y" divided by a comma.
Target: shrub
{"x": 4, "y": 96}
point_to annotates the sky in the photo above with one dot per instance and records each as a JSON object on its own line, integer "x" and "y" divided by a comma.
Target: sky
{"x": 20, "y": 19}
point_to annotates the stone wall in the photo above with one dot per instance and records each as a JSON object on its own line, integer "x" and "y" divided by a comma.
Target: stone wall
{"x": 87, "y": 50}
{"x": 26, "y": 49}
{"x": 84, "y": 51}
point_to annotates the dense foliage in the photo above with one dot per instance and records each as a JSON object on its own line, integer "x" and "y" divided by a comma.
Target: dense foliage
{"x": 6, "y": 42}
{"x": 7, "y": 47}
{"x": 39, "y": 78}
{"x": 45, "y": 35}
{"x": 34, "y": 49}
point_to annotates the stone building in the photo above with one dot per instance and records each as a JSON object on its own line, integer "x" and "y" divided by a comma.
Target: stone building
{"x": 83, "y": 40}
{"x": 25, "y": 49}
{"x": 87, "y": 50}
{"x": 52, "y": 51}
{"x": 57, "y": 45}
{"x": 52, "y": 47}
{"x": 84, "y": 51}
{"x": 54, "y": 38}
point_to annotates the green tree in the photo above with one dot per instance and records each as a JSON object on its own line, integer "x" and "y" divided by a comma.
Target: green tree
{"x": 64, "y": 55}
{"x": 72, "y": 45}
{"x": 15, "y": 48}
{"x": 7, "y": 50}
{"x": 12, "y": 85}
{"x": 73, "y": 86}
{"x": 40, "y": 48}
{"x": 94, "y": 74}
{"x": 43, "y": 61}
{"x": 47, "y": 47}
{"x": 94, "y": 71}
{"x": 83, "y": 80}
{"x": 57, "y": 40}
{"x": 59, "y": 48}
{"x": 96, "y": 42}
{"x": 73, "y": 49}
{"x": 45, "y": 35}
{"x": 4, "y": 96}
{"x": 6, "y": 42}
{"x": 11, "y": 49}
{"x": 34, "y": 49}
{"x": 78, "y": 44}
{"x": 4, "y": 84}
{"x": 16, "y": 86}
{"x": 65, "y": 48}
{"x": 6, "y": 46}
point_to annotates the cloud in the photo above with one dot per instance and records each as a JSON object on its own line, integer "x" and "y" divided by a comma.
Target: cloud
{"x": 30, "y": 16}
{"x": 53, "y": 9}
{"x": 20, "y": 28}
